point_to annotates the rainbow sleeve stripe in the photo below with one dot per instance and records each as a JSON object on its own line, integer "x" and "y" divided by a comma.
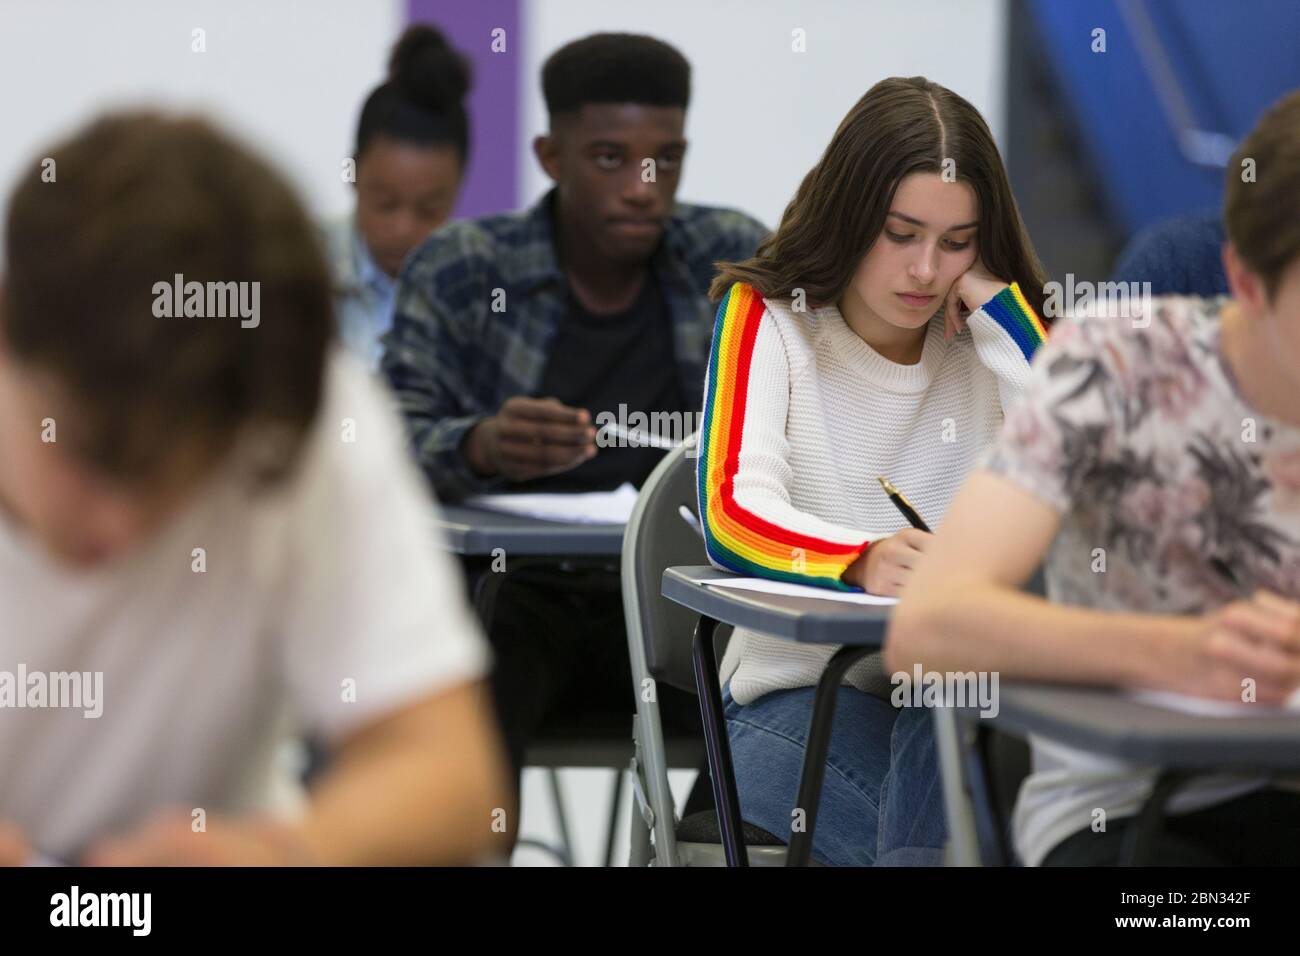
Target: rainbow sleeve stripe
{"x": 737, "y": 539}
{"x": 1012, "y": 311}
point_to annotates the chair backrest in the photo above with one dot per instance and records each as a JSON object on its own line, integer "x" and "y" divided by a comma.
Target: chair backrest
{"x": 1179, "y": 256}
{"x": 658, "y": 537}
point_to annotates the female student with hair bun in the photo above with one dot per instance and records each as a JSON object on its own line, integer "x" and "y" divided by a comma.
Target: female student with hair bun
{"x": 411, "y": 153}
{"x": 880, "y": 331}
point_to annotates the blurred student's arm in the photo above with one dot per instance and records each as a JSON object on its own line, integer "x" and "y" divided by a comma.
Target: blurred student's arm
{"x": 13, "y": 845}
{"x": 963, "y": 610}
{"x": 386, "y": 662}
{"x": 426, "y": 785}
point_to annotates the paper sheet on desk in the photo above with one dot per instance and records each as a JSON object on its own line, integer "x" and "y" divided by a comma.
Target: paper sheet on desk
{"x": 765, "y": 586}
{"x": 588, "y": 507}
{"x": 1204, "y": 707}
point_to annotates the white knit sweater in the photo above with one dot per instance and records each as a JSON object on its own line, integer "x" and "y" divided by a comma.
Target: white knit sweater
{"x": 823, "y": 415}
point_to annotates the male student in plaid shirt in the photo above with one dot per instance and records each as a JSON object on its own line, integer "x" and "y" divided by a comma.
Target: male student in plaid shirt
{"x": 513, "y": 332}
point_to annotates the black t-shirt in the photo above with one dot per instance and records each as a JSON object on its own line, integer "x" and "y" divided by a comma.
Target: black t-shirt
{"x": 599, "y": 362}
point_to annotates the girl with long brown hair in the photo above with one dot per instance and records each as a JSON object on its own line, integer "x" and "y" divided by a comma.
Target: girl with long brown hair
{"x": 880, "y": 331}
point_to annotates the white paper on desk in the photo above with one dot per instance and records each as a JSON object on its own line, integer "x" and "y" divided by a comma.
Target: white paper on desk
{"x": 587, "y": 507}
{"x": 1205, "y": 707}
{"x": 764, "y": 586}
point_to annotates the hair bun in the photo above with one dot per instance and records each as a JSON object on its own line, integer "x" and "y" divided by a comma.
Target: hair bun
{"x": 428, "y": 70}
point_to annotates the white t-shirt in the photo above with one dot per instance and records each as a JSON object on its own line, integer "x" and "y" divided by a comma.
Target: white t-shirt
{"x": 324, "y": 603}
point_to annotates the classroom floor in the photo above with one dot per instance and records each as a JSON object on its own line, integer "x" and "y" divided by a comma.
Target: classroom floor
{"x": 587, "y": 796}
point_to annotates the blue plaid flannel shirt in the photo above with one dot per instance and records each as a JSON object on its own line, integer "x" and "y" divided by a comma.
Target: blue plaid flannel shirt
{"x": 478, "y": 306}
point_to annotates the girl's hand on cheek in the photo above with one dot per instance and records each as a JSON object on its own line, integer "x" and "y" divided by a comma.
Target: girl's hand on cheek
{"x": 971, "y": 290}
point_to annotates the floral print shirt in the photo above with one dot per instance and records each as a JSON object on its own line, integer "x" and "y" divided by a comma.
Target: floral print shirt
{"x": 1175, "y": 496}
{"x": 1141, "y": 439}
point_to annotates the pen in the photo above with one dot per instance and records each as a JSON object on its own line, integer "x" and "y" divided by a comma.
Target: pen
{"x": 903, "y": 505}
{"x": 638, "y": 439}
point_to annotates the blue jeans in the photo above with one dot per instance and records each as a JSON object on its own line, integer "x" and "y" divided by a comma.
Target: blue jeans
{"x": 881, "y": 802}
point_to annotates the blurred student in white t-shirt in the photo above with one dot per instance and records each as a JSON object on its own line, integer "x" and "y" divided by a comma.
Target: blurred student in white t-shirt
{"x": 211, "y": 538}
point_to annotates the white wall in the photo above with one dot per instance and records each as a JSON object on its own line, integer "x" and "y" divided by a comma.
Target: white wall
{"x": 289, "y": 75}
{"x": 761, "y": 115}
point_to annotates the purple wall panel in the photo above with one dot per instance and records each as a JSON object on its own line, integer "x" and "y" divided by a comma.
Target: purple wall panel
{"x": 492, "y": 183}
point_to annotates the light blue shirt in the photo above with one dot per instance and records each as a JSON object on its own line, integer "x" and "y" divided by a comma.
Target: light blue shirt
{"x": 363, "y": 292}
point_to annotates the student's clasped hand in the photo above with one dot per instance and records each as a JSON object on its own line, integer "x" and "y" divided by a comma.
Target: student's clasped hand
{"x": 971, "y": 290}
{"x": 1257, "y": 639}
{"x": 531, "y": 438}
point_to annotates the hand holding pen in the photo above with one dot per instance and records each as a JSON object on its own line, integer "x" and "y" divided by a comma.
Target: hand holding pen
{"x": 887, "y": 563}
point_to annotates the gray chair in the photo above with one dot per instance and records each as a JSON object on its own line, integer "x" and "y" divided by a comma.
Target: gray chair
{"x": 663, "y": 531}
{"x": 592, "y": 741}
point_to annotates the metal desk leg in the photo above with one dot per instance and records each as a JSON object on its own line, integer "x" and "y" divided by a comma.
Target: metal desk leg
{"x": 949, "y": 735}
{"x": 717, "y": 746}
{"x": 615, "y": 799}
{"x": 819, "y": 741}
{"x": 1142, "y": 837}
{"x": 990, "y": 827}
{"x": 484, "y": 586}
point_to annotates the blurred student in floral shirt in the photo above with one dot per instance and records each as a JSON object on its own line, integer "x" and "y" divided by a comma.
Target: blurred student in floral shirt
{"x": 1153, "y": 464}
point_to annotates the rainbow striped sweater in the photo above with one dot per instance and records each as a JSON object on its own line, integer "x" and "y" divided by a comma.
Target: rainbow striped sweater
{"x": 800, "y": 415}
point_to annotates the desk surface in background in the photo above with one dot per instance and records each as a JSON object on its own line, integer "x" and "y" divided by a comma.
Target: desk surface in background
{"x": 1106, "y": 721}
{"x": 476, "y": 532}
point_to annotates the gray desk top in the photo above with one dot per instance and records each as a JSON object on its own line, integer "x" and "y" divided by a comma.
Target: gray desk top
{"x": 807, "y": 620}
{"x": 1101, "y": 720}
{"x": 1110, "y": 723}
{"x": 475, "y": 531}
